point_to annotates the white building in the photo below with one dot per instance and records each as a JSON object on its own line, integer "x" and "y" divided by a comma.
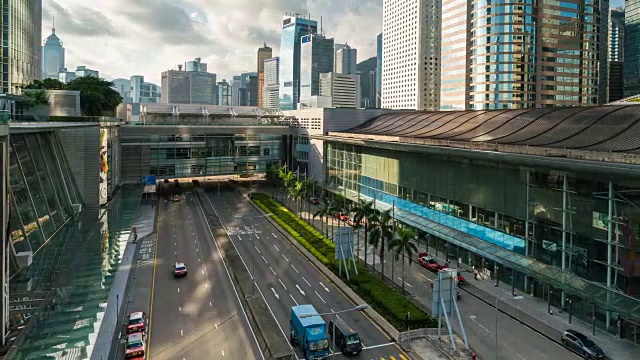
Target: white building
{"x": 83, "y": 71}
{"x": 410, "y": 52}
{"x": 346, "y": 60}
{"x": 136, "y": 90}
{"x": 342, "y": 89}
{"x": 65, "y": 76}
{"x": 271, "y": 90}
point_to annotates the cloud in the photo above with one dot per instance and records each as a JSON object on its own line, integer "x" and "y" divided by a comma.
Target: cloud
{"x": 146, "y": 37}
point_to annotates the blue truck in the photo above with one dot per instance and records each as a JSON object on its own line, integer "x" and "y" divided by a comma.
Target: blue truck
{"x": 309, "y": 331}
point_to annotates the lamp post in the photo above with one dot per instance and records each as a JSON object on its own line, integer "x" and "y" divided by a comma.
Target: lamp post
{"x": 334, "y": 315}
{"x": 253, "y": 253}
{"x": 498, "y": 313}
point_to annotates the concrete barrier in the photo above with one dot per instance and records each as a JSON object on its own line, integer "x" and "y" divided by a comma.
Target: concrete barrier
{"x": 272, "y": 344}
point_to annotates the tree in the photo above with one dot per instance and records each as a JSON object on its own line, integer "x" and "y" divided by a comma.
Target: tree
{"x": 33, "y": 98}
{"x": 381, "y": 233}
{"x": 402, "y": 245}
{"x": 327, "y": 208}
{"x": 46, "y": 84}
{"x": 363, "y": 210}
{"x": 96, "y": 95}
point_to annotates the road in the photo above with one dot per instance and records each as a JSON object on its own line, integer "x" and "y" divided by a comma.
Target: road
{"x": 285, "y": 278}
{"x": 515, "y": 340}
{"x": 199, "y": 316}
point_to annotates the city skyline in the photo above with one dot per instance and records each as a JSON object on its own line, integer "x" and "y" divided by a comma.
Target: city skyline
{"x": 197, "y": 27}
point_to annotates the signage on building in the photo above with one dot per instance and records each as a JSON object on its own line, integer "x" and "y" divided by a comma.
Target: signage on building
{"x": 104, "y": 167}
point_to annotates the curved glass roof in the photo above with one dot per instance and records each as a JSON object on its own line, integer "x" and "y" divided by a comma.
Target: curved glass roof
{"x": 599, "y": 128}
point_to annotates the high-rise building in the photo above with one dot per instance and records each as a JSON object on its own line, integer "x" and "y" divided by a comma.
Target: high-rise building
{"x": 346, "y": 60}
{"x": 293, "y": 29}
{"x": 236, "y": 85}
{"x": 631, "y": 67}
{"x": 84, "y": 71}
{"x": 342, "y": 89}
{"x": 271, "y": 83}
{"x": 189, "y": 87}
{"x": 316, "y": 57}
{"x": 21, "y": 42}
{"x": 337, "y": 47}
{"x": 410, "y": 50}
{"x": 264, "y": 53}
{"x": 52, "y": 56}
{"x": 64, "y": 76}
{"x": 378, "y": 70}
{"x": 224, "y": 93}
{"x": 144, "y": 92}
{"x": 616, "y": 54}
{"x": 249, "y": 92}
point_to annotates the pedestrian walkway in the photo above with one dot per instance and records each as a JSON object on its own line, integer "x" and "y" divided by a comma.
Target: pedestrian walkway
{"x": 527, "y": 309}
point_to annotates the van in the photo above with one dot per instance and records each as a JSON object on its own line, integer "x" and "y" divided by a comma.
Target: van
{"x": 346, "y": 338}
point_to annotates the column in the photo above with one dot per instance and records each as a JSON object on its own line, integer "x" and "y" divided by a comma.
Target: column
{"x": 609, "y": 249}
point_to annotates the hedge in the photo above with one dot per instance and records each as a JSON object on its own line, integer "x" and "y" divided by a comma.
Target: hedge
{"x": 392, "y": 305}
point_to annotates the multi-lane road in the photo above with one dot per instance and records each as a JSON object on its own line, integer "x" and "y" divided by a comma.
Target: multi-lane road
{"x": 285, "y": 278}
{"x": 199, "y": 316}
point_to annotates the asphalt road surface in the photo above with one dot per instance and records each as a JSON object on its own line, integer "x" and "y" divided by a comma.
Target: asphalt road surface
{"x": 285, "y": 278}
{"x": 199, "y": 316}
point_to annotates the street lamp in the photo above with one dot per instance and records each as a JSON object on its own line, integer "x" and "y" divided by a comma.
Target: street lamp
{"x": 498, "y": 313}
{"x": 253, "y": 253}
{"x": 334, "y": 314}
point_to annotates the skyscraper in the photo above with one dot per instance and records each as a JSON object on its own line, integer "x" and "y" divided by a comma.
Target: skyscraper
{"x": 346, "y": 60}
{"x": 189, "y": 87}
{"x": 316, "y": 57}
{"x": 21, "y": 42}
{"x": 616, "y": 54}
{"x": 271, "y": 83}
{"x": 52, "y": 56}
{"x": 378, "y": 71}
{"x": 631, "y": 48}
{"x": 195, "y": 65}
{"x": 264, "y": 53}
{"x": 293, "y": 29}
{"x": 410, "y": 50}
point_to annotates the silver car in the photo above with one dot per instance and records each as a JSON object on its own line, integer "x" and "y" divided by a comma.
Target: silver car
{"x": 581, "y": 344}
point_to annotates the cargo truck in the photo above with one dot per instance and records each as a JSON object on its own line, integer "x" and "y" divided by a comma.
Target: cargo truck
{"x": 309, "y": 331}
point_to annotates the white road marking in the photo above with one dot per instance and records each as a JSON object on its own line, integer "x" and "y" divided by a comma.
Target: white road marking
{"x": 320, "y": 297}
{"x": 178, "y": 289}
{"x": 206, "y": 285}
{"x": 305, "y": 280}
{"x": 199, "y": 260}
{"x": 275, "y": 293}
{"x": 265, "y": 260}
{"x": 473, "y": 318}
{"x": 274, "y": 245}
{"x": 181, "y": 333}
{"x": 216, "y": 325}
{"x": 274, "y": 235}
{"x": 274, "y": 273}
{"x": 285, "y": 257}
{"x": 197, "y": 250}
{"x": 257, "y": 237}
{"x": 281, "y": 283}
{"x": 325, "y": 288}
{"x": 424, "y": 276}
{"x": 210, "y": 304}
{"x": 377, "y": 346}
{"x": 176, "y": 244}
{"x": 222, "y": 352}
{"x": 302, "y": 292}
{"x": 293, "y": 267}
{"x": 179, "y": 308}
{"x": 258, "y": 250}
{"x": 401, "y": 280}
{"x": 203, "y": 272}
{"x": 239, "y": 238}
{"x": 294, "y": 300}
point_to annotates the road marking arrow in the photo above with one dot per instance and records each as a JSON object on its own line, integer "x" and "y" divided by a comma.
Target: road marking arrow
{"x": 301, "y": 292}
{"x": 325, "y": 288}
{"x": 275, "y": 293}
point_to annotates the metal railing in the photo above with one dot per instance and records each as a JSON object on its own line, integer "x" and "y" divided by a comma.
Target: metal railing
{"x": 430, "y": 334}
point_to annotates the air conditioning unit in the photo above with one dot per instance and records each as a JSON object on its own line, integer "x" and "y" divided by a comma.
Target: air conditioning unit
{"x": 76, "y": 208}
{"x": 24, "y": 259}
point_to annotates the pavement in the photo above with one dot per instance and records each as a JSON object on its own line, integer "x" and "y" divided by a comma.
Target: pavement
{"x": 532, "y": 334}
{"x": 284, "y": 277}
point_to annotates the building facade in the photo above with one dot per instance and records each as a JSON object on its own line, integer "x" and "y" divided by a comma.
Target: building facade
{"x": 271, "y": 83}
{"x": 223, "y": 93}
{"x": 316, "y": 57}
{"x": 144, "y": 92}
{"x": 632, "y": 48}
{"x": 410, "y": 48}
{"x": 65, "y": 76}
{"x": 378, "y": 71}
{"x": 616, "y": 54}
{"x": 293, "y": 29}
{"x": 21, "y": 41}
{"x": 195, "y": 65}
{"x": 52, "y": 56}
{"x": 264, "y": 53}
{"x": 346, "y": 61}
{"x": 343, "y": 89}
{"x": 188, "y": 87}
{"x": 84, "y": 71}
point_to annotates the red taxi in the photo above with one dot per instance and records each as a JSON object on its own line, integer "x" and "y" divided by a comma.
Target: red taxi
{"x": 179, "y": 270}
{"x": 135, "y": 347}
{"x": 136, "y": 322}
{"x": 429, "y": 263}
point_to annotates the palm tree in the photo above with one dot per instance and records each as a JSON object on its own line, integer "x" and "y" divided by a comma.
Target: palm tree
{"x": 327, "y": 208}
{"x": 306, "y": 189}
{"x": 402, "y": 245}
{"x": 381, "y": 233}
{"x": 363, "y": 210}
{"x": 288, "y": 179}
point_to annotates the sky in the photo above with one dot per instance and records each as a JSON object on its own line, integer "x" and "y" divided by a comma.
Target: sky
{"x": 121, "y": 38}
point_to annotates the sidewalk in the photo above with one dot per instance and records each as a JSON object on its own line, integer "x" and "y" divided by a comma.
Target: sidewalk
{"x": 529, "y": 310}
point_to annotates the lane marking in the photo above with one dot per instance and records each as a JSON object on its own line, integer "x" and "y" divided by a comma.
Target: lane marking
{"x": 294, "y": 268}
{"x": 305, "y": 280}
{"x": 181, "y": 333}
{"x": 285, "y": 258}
{"x": 424, "y": 276}
{"x": 401, "y": 280}
{"x": 320, "y": 297}
{"x": 210, "y": 304}
{"x": 294, "y": 300}
{"x": 265, "y": 260}
{"x": 222, "y": 352}
{"x": 274, "y": 273}
{"x": 258, "y": 250}
{"x": 180, "y": 308}
{"x": 257, "y": 237}
{"x": 274, "y": 235}
{"x": 377, "y": 346}
{"x": 282, "y": 284}
{"x": 275, "y": 246}
{"x": 298, "y": 286}
{"x": 176, "y": 244}
{"x": 202, "y": 272}
{"x": 216, "y": 325}
{"x": 239, "y": 238}
{"x": 325, "y": 288}
{"x": 199, "y": 260}
{"x": 153, "y": 287}
{"x": 206, "y": 285}
{"x": 178, "y": 289}
{"x": 275, "y": 293}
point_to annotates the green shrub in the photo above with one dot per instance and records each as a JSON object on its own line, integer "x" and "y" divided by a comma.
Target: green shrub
{"x": 385, "y": 300}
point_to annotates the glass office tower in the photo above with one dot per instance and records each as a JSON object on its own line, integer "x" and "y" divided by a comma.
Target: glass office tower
{"x": 316, "y": 57}
{"x": 293, "y": 28}
{"x": 632, "y": 48}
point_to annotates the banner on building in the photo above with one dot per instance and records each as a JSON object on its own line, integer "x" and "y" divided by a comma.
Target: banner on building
{"x": 104, "y": 167}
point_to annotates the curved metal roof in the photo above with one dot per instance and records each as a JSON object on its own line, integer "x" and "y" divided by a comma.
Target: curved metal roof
{"x": 599, "y": 128}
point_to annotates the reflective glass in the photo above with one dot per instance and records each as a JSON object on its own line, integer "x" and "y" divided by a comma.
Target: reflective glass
{"x": 53, "y": 172}
{"x": 44, "y": 178}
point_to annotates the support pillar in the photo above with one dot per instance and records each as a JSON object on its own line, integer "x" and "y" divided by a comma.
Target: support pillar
{"x": 527, "y": 246}
{"x": 610, "y": 221}
{"x": 565, "y": 201}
